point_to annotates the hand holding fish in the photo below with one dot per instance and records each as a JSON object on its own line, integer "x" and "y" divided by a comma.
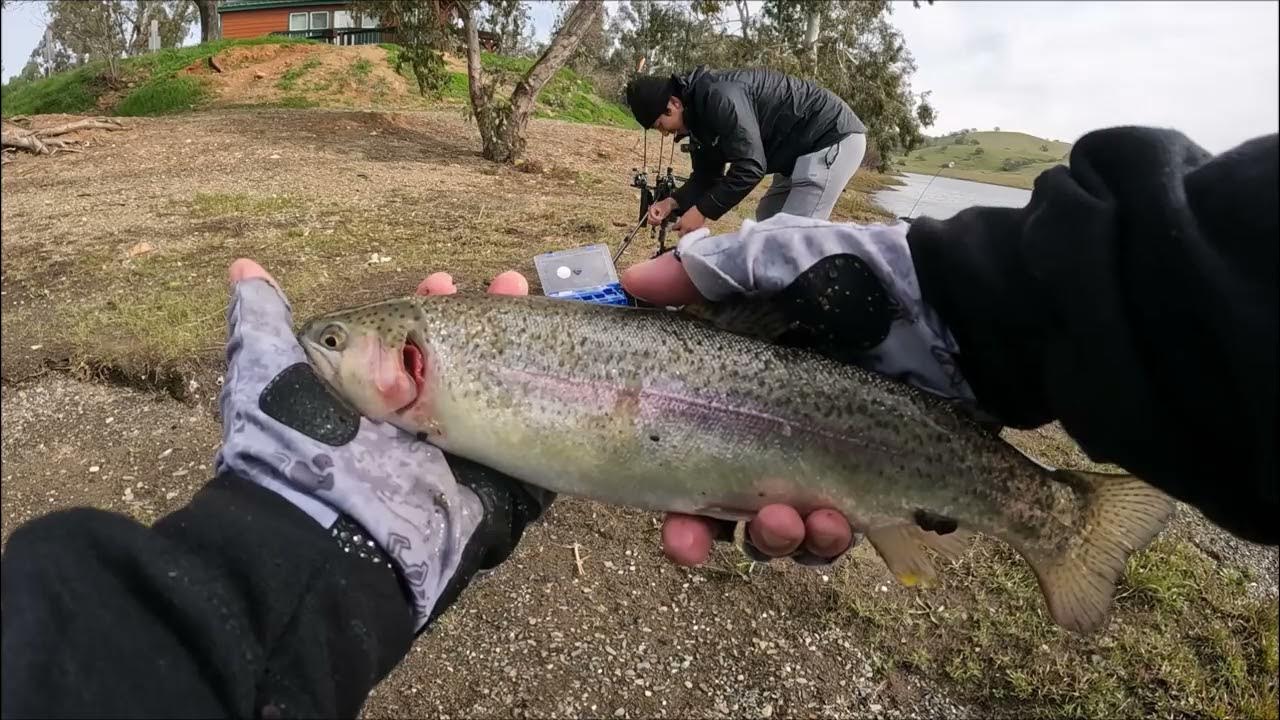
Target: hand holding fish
{"x": 767, "y": 263}
{"x": 386, "y": 494}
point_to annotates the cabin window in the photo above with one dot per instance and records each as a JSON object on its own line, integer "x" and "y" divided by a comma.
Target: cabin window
{"x": 342, "y": 20}
{"x": 297, "y": 21}
{"x": 319, "y": 21}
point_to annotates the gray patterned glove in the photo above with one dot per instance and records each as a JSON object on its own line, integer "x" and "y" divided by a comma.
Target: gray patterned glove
{"x": 845, "y": 290}
{"x": 383, "y": 493}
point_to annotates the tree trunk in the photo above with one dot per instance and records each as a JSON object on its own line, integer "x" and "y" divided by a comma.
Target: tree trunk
{"x": 811, "y": 36}
{"x": 488, "y": 116}
{"x": 744, "y": 15}
{"x": 553, "y": 58}
{"x": 210, "y": 24}
{"x": 502, "y": 125}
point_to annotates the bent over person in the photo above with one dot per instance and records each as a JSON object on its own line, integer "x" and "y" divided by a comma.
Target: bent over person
{"x": 758, "y": 122}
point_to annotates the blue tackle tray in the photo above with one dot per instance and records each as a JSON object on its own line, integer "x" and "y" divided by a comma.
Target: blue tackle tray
{"x": 611, "y": 294}
{"x": 583, "y": 273}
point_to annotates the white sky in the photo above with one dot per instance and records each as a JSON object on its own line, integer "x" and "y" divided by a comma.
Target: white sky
{"x": 1053, "y": 69}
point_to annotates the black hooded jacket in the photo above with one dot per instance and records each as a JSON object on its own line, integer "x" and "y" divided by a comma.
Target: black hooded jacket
{"x": 757, "y": 121}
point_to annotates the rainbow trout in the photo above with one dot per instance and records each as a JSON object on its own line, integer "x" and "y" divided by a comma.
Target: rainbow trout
{"x": 663, "y": 411}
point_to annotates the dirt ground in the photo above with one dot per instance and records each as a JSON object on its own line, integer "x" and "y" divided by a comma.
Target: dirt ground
{"x": 113, "y": 274}
{"x": 355, "y": 76}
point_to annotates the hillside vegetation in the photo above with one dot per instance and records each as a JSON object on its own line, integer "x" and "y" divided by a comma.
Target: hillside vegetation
{"x": 1000, "y": 158}
{"x": 279, "y": 72}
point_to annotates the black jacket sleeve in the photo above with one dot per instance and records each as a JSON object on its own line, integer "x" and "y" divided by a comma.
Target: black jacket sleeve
{"x": 732, "y": 119}
{"x": 707, "y": 169}
{"x": 239, "y": 605}
{"x": 1134, "y": 299}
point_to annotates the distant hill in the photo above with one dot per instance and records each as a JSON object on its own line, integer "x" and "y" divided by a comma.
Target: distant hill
{"x": 1000, "y": 158}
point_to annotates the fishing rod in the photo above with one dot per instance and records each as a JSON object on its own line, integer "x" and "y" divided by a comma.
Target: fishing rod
{"x": 950, "y": 164}
{"x": 662, "y": 188}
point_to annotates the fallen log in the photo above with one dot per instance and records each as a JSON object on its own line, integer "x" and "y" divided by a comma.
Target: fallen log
{"x": 89, "y": 124}
{"x": 45, "y": 141}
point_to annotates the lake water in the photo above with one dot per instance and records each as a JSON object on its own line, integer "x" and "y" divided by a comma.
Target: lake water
{"x": 946, "y": 196}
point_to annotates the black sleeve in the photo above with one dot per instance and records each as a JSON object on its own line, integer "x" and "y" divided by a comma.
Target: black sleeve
{"x": 238, "y": 604}
{"x": 1134, "y": 299}
{"x": 706, "y": 170}
{"x": 730, "y": 114}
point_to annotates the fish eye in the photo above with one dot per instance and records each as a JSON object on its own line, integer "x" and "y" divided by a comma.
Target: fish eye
{"x": 333, "y": 337}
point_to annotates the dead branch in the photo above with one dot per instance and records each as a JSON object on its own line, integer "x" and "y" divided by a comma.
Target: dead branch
{"x": 30, "y": 143}
{"x": 45, "y": 140}
{"x": 88, "y": 124}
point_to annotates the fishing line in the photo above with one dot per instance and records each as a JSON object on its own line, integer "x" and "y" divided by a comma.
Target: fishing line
{"x": 926, "y": 187}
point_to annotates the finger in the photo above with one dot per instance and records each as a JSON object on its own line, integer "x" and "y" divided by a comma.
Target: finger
{"x": 509, "y": 283}
{"x": 661, "y": 280}
{"x": 260, "y": 339}
{"x": 246, "y": 269}
{"x": 776, "y": 530}
{"x": 440, "y": 283}
{"x": 256, "y": 306}
{"x": 686, "y": 539}
{"x": 827, "y": 533}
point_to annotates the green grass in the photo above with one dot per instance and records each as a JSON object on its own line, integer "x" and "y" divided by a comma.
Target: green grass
{"x": 567, "y": 96}
{"x": 361, "y": 68}
{"x": 990, "y": 160}
{"x": 215, "y": 204}
{"x": 163, "y": 96}
{"x": 68, "y": 92}
{"x": 289, "y": 78}
{"x": 157, "y": 88}
{"x": 1186, "y": 638}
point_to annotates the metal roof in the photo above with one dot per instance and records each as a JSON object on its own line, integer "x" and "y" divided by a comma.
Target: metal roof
{"x": 240, "y": 5}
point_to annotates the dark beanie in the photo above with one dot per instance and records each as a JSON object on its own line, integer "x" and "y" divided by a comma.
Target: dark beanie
{"x": 647, "y": 95}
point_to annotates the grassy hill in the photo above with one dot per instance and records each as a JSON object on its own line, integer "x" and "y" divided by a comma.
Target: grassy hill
{"x": 1000, "y": 158}
{"x": 278, "y": 72}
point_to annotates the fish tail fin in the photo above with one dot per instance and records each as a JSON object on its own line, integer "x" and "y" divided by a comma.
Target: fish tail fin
{"x": 902, "y": 547}
{"x": 1122, "y": 515}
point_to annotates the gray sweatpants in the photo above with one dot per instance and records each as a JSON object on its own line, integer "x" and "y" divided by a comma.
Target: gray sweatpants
{"x": 816, "y": 182}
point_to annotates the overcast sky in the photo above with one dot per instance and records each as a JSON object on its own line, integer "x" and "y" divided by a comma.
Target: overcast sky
{"x": 1053, "y": 69}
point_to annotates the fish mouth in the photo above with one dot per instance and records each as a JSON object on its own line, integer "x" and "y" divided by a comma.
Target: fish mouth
{"x": 414, "y": 361}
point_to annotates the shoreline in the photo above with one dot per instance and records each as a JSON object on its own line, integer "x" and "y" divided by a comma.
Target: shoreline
{"x": 1018, "y": 183}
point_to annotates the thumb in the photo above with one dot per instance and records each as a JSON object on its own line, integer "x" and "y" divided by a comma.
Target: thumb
{"x": 661, "y": 281}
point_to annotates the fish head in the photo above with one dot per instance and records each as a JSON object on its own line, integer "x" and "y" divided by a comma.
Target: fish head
{"x": 373, "y": 356}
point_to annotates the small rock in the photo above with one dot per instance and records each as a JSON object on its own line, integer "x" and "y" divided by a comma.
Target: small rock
{"x": 128, "y": 494}
{"x": 274, "y": 156}
{"x": 36, "y": 347}
{"x": 259, "y": 75}
{"x": 875, "y": 707}
{"x": 93, "y": 468}
{"x": 141, "y": 248}
{"x": 766, "y": 711}
{"x": 170, "y": 495}
{"x": 620, "y": 712}
{"x": 165, "y": 454}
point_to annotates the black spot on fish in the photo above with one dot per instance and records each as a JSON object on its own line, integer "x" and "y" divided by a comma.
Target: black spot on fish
{"x": 653, "y": 438}
{"x": 935, "y": 523}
